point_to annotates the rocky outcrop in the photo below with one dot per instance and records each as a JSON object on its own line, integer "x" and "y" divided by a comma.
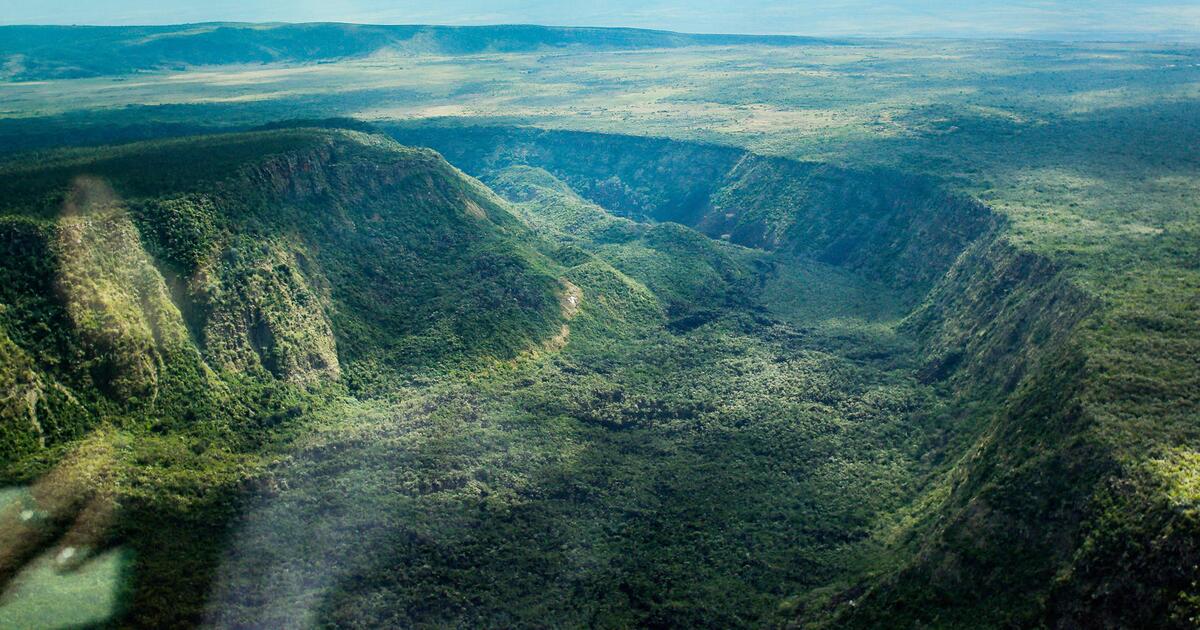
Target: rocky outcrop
{"x": 264, "y": 312}
{"x": 119, "y": 304}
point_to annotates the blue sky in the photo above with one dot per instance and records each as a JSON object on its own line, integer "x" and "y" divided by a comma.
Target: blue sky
{"x": 845, "y": 17}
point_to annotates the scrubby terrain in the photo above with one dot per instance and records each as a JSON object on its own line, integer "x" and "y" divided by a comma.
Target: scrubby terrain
{"x": 1044, "y": 489}
{"x": 473, "y": 374}
{"x": 325, "y": 320}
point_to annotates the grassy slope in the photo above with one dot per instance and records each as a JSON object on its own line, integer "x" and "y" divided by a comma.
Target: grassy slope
{"x": 661, "y": 468}
{"x": 171, "y": 306}
{"x": 688, "y": 272}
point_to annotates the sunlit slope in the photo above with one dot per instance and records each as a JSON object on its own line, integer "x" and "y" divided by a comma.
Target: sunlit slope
{"x": 151, "y": 278}
{"x": 690, "y": 274}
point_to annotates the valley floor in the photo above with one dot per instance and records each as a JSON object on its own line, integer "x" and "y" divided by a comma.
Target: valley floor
{"x": 392, "y": 397}
{"x": 694, "y": 478}
{"x": 713, "y": 431}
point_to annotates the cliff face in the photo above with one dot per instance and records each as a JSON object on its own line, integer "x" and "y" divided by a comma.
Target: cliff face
{"x": 887, "y": 226}
{"x": 277, "y": 258}
{"x": 168, "y": 284}
{"x": 884, "y": 225}
{"x": 1037, "y": 509}
{"x": 264, "y": 312}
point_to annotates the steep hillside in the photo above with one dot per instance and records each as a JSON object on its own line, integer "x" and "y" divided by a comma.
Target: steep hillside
{"x": 29, "y": 53}
{"x": 298, "y": 257}
{"x": 882, "y": 224}
{"x": 1066, "y": 457}
{"x": 693, "y": 276}
{"x": 169, "y": 308}
{"x": 310, "y": 376}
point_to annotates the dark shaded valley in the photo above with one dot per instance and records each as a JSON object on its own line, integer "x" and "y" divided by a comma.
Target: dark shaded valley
{"x": 642, "y": 382}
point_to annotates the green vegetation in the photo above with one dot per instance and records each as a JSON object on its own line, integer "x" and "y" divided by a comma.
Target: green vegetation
{"x": 188, "y": 327}
{"x": 52, "y": 52}
{"x": 243, "y": 335}
{"x": 622, "y": 481}
{"x": 1012, "y": 335}
{"x": 777, "y": 365}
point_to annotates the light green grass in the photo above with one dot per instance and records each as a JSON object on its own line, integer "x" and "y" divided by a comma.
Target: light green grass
{"x": 45, "y": 596}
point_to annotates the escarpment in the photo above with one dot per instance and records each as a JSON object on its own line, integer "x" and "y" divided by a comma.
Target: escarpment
{"x": 278, "y": 257}
{"x": 263, "y": 311}
{"x": 984, "y": 310}
{"x": 995, "y": 315}
{"x": 887, "y": 226}
{"x": 169, "y": 283}
{"x": 1014, "y": 505}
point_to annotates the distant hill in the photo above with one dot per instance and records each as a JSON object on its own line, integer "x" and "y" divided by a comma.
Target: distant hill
{"x": 58, "y": 52}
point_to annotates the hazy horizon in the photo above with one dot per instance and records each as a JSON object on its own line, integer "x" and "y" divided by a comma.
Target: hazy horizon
{"x": 1143, "y": 19}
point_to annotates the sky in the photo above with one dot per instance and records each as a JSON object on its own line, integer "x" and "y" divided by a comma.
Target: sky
{"x": 1021, "y": 18}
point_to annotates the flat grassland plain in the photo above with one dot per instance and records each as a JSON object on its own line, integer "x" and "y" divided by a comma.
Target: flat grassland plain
{"x": 1076, "y": 142}
{"x": 1090, "y": 151}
